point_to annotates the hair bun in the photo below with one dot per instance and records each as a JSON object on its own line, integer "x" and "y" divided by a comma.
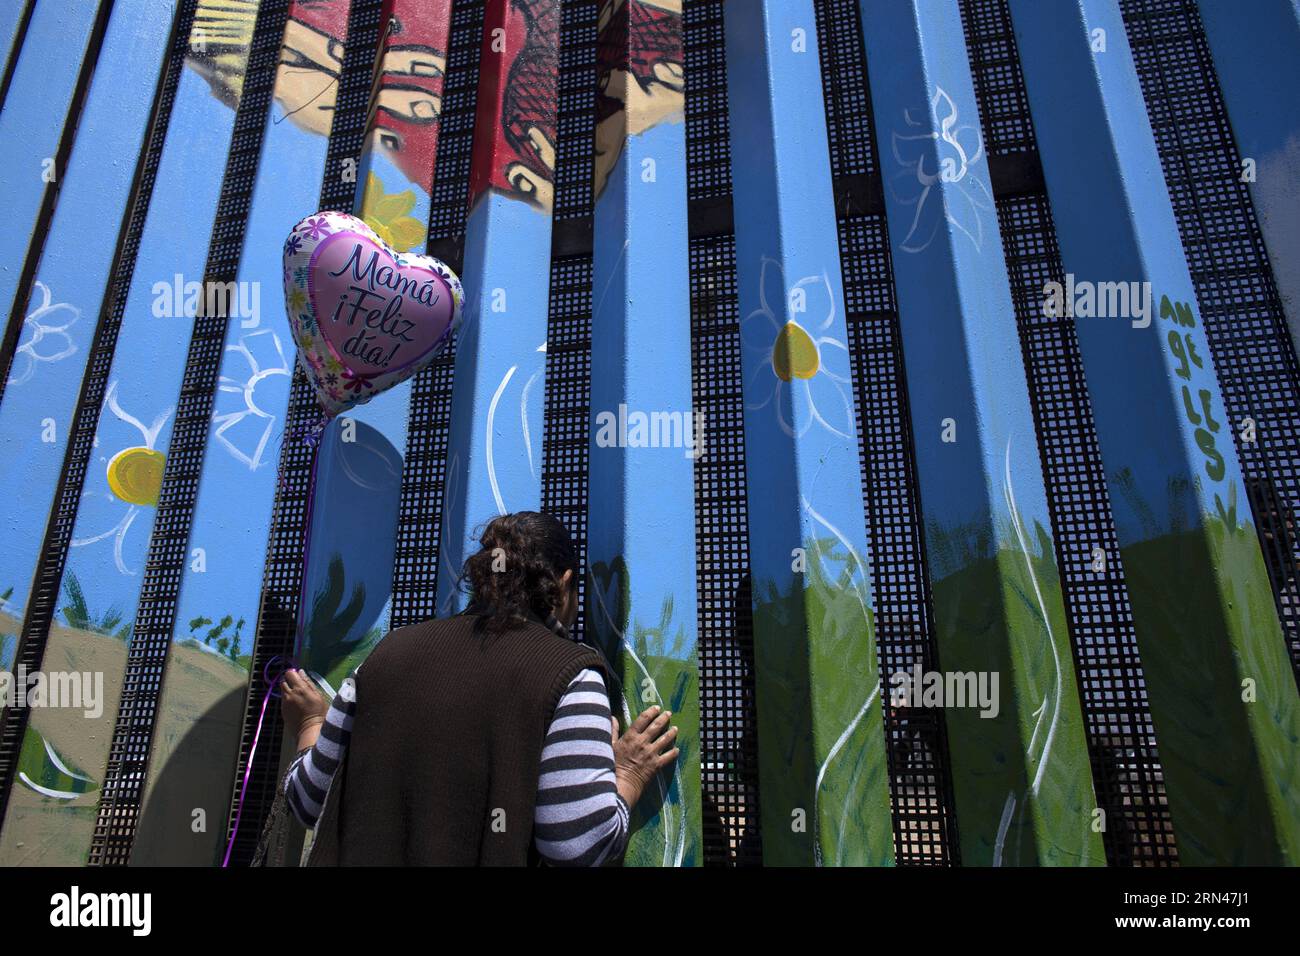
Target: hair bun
{"x": 517, "y": 570}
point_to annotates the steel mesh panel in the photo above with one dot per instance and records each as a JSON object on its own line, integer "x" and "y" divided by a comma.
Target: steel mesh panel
{"x": 277, "y": 616}
{"x": 448, "y": 200}
{"x": 1235, "y": 288}
{"x": 41, "y": 605}
{"x": 424, "y": 466}
{"x": 567, "y": 403}
{"x": 128, "y": 757}
{"x": 916, "y": 744}
{"x": 1005, "y": 122}
{"x": 1128, "y": 779}
{"x": 574, "y": 155}
{"x": 847, "y": 95}
{"x": 728, "y": 718}
{"x": 708, "y": 132}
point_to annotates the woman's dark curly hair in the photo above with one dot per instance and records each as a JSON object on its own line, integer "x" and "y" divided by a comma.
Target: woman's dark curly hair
{"x": 516, "y": 571}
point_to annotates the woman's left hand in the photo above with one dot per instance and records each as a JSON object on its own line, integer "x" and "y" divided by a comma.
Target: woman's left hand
{"x": 302, "y": 707}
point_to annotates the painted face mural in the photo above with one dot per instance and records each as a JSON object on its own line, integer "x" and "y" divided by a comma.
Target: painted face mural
{"x": 641, "y": 87}
{"x": 410, "y": 85}
{"x": 311, "y": 61}
{"x": 410, "y": 90}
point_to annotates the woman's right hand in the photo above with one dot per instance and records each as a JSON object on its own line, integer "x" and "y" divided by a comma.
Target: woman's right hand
{"x": 642, "y": 751}
{"x": 302, "y": 707}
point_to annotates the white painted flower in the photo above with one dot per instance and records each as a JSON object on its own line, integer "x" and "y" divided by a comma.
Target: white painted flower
{"x": 926, "y": 157}
{"x": 134, "y": 476}
{"x": 789, "y": 355}
{"x": 246, "y": 431}
{"x": 44, "y": 336}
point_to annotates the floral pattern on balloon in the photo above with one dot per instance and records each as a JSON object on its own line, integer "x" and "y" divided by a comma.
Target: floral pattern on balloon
{"x": 363, "y": 315}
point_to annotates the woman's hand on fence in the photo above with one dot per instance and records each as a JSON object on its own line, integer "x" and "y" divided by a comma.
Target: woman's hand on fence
{"x": 644, "y": 749}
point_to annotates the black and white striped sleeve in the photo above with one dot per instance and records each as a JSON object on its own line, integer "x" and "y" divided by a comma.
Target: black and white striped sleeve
{"x": 310, "y": 774}
{"x": 580, "y": 818}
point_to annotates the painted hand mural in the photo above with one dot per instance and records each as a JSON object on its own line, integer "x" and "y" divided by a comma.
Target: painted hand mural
{"x": 514, "y": 150}
{"x": 642, "y": 82}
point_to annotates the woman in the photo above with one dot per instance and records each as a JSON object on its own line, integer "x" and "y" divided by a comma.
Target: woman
{"x": 481, "y": 739}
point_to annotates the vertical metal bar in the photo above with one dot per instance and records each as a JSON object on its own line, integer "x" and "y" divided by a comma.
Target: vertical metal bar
{"x": 641, "y": 594}
{"x": 730, "y": 807}
{"x": 495, "y": 437}
{"x": 821, "y": 741}
{"x": 1127, "y": 773}
{"x": 916, "y": 739}
{"x": 418, "y": 563}
{"x": 1240, "y": 290}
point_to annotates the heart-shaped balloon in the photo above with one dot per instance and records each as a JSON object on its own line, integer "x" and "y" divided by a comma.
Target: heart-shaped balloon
{"x": 363, "y": 316}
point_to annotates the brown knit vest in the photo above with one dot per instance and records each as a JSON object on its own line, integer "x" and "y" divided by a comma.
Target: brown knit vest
{"x": 443, "y": 764}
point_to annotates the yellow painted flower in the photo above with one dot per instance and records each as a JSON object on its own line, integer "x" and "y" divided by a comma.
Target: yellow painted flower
{"x": 795, "y": 366}
{"x": 297, "y": 301}
{"x": 135, "y": 475}
{"x": 794, "y": 355}
{"x": 386, "y": 213}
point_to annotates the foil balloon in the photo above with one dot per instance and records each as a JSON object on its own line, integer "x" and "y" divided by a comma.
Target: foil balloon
{"x": 363, "y": 317}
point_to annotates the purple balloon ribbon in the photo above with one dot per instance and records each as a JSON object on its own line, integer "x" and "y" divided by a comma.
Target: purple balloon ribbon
{"x": 309, "y": 434}
{"x": 272, "y": 690}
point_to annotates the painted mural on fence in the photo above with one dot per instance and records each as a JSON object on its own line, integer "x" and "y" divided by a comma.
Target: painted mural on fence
{"x": 494, "y": 452}
{"x": 348, "y": 576}
{"x": 38, "y": 396}
{"x": 1196, "y": 561}
{"x": 1222, "y": 695}
{"x": 202, "y": 707}
{"x": 51, "y": 824}
{"x": 824, "y": 785}
{"x": 31, "y": 127}
{"x": 641, "y": 603}
{"x": 1022, "y": 785}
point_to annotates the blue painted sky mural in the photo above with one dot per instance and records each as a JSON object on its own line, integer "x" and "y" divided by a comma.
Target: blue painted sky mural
{"x": 221, "y": 585}
{"x": 40, "y": 394}
{"x": 110, "y": 538}
{"x": 32, "y": 123}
